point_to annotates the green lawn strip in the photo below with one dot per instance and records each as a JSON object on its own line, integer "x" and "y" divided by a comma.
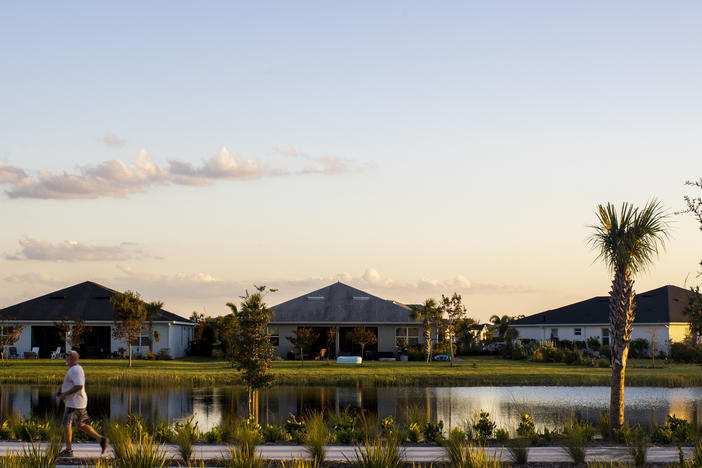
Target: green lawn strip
{"x": 472, "y": 371}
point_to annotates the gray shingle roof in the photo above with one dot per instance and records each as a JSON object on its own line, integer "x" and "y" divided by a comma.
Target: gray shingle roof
{"x": 339, "y": 303}
{"x": 88, "y": 301}
{"x": 662, "y": 305}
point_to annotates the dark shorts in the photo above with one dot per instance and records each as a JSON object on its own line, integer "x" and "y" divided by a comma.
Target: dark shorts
{"x": 75, "y": 417}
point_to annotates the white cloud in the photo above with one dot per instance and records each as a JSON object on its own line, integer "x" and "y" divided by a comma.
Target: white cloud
{"x": 111, "y": 178}
{"x": 222, "y": 166}
{"x": 115, "y": 178}
{"x": 73, "y": 251}
{"x": 34, "y": 278}
{"x": 110, "y": 139}
{"x": 11, "y": 174}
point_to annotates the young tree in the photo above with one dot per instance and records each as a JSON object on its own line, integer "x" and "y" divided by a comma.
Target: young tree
{"x": 130, "y": 315}
{"x": 362, "y": 336}
{"x": 694, "y": 306}
{"x": 152, "y": 311}
{"x": 252, "y": 351}
{"x": 10, "y": 332}
{"x": 453, "y": 312}
{"x": 303, "y": 337}
{"x": 331, "y": 341}
{"x": 428, "y": 313}
{"x": 71, "y": 331}
{"x": 627, "y": 241}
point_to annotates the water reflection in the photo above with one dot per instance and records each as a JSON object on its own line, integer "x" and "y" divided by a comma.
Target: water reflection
{"x": 454, "y": 405}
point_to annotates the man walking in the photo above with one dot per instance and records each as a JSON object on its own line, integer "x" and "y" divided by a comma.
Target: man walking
{"x": 73, "y": 395}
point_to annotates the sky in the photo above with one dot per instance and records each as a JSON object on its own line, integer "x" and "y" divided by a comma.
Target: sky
{"x": 190, "y": 150}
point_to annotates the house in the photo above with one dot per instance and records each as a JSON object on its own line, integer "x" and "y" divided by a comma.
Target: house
{"x": 480, "y": 332}
{"x": 659, "y": 319}
{"x": 333, "y": 311}
{"x": 91, "y": 302}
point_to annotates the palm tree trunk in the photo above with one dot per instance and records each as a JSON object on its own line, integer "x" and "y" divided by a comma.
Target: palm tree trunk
{"x": 151, "y": 336}
{"x": 621, "y": 318}
{"x": 427, "y": 339}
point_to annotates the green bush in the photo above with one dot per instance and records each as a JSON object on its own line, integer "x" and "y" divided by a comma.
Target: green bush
{"x": 580, "y": 429}
{"x": 519, "y": 449}
{"x": 577, "y": 436}
{"x": 623, "y": 434}
{"x": 6, "y": 432}
{"x": 594, "y": 343}
{"x": 682, "y": 429}
{"x": 296, "y": 429}
{"x": 662, "y": 434}
{"x": 501, "y": 435}
{"x": 31, "y": 430}
{"x": 639, "y": 348}
{"x": 213, "y": 436}
{"x": 273, "y": 433}
{"x": 606, "y": 351}
{"x": 638, "y": 446}
{"x": 526, "y": 427}
{"x": 433, "y": 432}
{"x": 604, "y": 426}
{"x": 602, "y": 362}
{"x": 162, "y": 432}
{"x": 414, "y": 432}
{"x": 484, "y": 426}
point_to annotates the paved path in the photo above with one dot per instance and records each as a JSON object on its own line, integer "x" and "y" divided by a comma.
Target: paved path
{"x": 416, "y": 454}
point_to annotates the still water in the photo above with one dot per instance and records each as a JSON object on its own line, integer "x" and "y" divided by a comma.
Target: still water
{"x": 453, "y": 405}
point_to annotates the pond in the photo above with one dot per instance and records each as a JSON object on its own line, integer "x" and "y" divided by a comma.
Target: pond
{"x": 453, "y": 405}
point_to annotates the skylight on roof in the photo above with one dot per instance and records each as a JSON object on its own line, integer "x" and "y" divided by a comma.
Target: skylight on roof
{"x": 360, "y": 298}
{"x": 315, "y": 298}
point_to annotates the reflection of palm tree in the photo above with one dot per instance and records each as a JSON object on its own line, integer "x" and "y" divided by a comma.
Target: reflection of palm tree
{"x": 627, "y": 242}
{"x": 428, "y": 313}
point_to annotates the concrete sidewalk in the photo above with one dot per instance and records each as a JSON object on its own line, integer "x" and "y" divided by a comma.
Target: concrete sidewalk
{"x": 552, "y": 454}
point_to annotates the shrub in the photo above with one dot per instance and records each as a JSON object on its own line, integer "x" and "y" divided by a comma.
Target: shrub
{"x": 387, "y": 427}
{"x": 378, "y": 455}
{"x": 213, "y": 436}
{"x": 519, "y": 449}
{"x": 639, "y": 348}
{"x": 501, "y": 435}
{"x": 32, "y": 456}
{"x": 317, "y": 437}
{"x": 682, "y": 429}
{"x": 662, "y": 434}
{"x": 604, "y": 426}
{"x": 577, "y": 438}
{"x": 593, "y": 343}
{"x": 142, "y": 453}
{"x": 606, "y": 351}
{"x": 433, "y": 432}
{"x": 6, "y": 431}
{"x": 273, "y": 433}
{"x": 185, "y": 434}
{"x": 344, "y": 426}
{"x": 638, "y": 446}
{"x": 162, "y": 432}
{"x": 550, "y": 435}
{"x": 602, "y": 362}
{"x": 241, "y": 457}
{"x": 414, "y": 432}
{"x": 580, "y": 428}
{"x": 164, "y": 354}
{"x": 526, "y": 427}
{"x": 484, "y": 426}
{"x": 295, "y": 428}
{"x": 456, "y": 435}
{"x": 32, "y": 430}
{"x": 623, "y": 434}
{"x": 462, "y": 455}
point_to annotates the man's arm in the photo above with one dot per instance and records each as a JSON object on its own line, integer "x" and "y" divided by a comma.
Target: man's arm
{"x": 76, "y": 388}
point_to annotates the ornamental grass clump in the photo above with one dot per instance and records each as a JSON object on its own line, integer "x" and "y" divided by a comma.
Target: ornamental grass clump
{"x": 466, "y": 455}
{"x": 519, "y": 450}
{"x": 577, "y": 436}
{"x": 638, "y": 446}
{"x": 317, "y": 437}
{"x": 34, "y": 457}
{"x": 241, "y": 457}
{"x": 273, "y": 433}
{"x": 185, "y": 435}
{"x": 379, "y": 454}
{"x": 143, "y": 452}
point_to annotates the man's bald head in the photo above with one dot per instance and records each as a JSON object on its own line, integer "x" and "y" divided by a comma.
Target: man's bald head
{"x": 72, "y": 357}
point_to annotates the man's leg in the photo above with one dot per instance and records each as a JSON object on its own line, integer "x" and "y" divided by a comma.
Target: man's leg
{"x": 67, "y": 433}
{"x": 67, "y": 436}
{"x": 88, "y": 429}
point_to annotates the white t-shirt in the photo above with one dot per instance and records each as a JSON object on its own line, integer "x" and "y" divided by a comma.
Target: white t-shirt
{"x": 75, "y": 376}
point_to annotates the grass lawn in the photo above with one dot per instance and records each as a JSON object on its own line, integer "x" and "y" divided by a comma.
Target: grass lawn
{"x": 472, "y": 371}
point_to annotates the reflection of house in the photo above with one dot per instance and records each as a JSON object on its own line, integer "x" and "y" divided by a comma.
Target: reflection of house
{"x": 659, "y": 318}
{"x": 332, "y": 312}
{"x": 91, "y": 302}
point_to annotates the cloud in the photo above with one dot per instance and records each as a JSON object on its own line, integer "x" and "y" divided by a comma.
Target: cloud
{"x": 111, "y": 178}
{"x": 325, "y": 165}
{"x": 11, "y": 174}
{"x": 73, "y": 251}
{"x": 34, "y": 278}
{"x": 222, "y": 166}
{"x": 110, "y": 139}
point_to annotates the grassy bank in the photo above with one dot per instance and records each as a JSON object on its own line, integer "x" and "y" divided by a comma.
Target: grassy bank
{"x": 473, "y": 371}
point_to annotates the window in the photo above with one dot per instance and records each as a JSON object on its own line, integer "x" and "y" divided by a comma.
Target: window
{"x": 408, "y": 335}
{"x": 605, "y": 336}
{"x": 142, "y": 340}
{"x": 554, "y": 333}
{"x": 578, "y": 331}
{"x": 274, "y": 336}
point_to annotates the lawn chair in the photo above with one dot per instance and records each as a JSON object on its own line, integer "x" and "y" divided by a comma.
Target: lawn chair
{"x": 56, "y": 354}
{"x": 35, "y": 352}
{"x": 12, "y": 354}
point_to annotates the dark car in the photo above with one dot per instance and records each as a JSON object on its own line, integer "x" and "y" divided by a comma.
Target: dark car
{"x": 493, "y": 348}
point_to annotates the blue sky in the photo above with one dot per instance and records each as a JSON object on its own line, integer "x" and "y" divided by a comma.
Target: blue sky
{"x": 405, "y": 148}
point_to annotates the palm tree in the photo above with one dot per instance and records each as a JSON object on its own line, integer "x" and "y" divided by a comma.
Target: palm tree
{"x": 152, "y": 311}
{"x": 501, "y": 323}
{"x": 428, "y": 314}
{"x": 627, "y": 242}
